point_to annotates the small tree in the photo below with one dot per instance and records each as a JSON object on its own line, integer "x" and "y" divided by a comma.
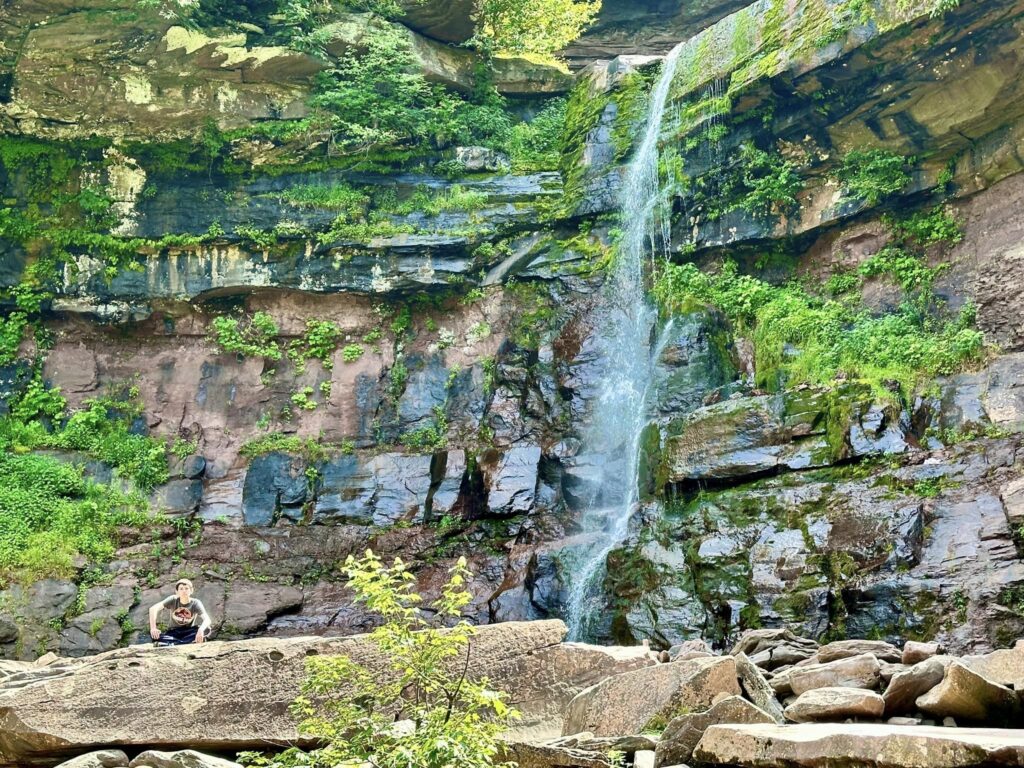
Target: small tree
{"x": 532, "y": 26}
{"x": 454, "y": 720}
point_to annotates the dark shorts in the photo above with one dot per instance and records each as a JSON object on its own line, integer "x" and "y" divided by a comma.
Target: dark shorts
{"x": 178, "y": 636}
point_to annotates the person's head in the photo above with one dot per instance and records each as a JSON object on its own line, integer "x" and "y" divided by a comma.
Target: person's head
{"x": 183, "y": 588}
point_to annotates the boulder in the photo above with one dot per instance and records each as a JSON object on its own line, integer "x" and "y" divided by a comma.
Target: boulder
{"x": 866, "y": 745}
{"x": 626, "y": 703}
{"x": 526, "y": 755}
{"x": 628, "y": 745}
{"x": 683, "y": 733}
{"x": 914, "y": 652}
{"x": 844, "y": 649}
{"x": 106, "y": 758}
{"x": 835, "y": 704}
{"x": 966, "y": 695}
{"x": 224, "y": 697}
{"x": 756, "y": 687}
{"x": 644, "y": 759}
{"x": 904, "y": 689}
{"x": 1005, "y": 666}
{"x": 774, "y": 648}
{"x": 854, "y": 672}
{"x": 186, "y": 758}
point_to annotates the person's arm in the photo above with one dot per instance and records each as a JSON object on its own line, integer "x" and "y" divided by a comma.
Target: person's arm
{"x": 154, "y": 611}
{"x": 205, "y": 625}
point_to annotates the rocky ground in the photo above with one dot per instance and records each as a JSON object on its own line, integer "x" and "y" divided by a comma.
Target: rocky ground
{"x": 775, "y": 699}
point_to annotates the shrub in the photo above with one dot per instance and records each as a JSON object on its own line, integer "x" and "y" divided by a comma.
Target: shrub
{"x": 353, "y": 709}
{"x": 532, "y": 26}
{"x": 50, "y": 515}
{"x": 255, "y": 338}
{"x": 874, "y": 174}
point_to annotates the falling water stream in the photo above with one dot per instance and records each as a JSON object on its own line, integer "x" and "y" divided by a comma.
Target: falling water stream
{"x": 620, "y": 410}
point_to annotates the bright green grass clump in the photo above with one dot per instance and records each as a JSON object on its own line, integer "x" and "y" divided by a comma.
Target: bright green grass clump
{"x": 50, "y": 516}
{"x": 800, "y": 338}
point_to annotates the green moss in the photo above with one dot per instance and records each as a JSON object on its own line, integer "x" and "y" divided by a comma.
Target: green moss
{"x": 582, "y": 115}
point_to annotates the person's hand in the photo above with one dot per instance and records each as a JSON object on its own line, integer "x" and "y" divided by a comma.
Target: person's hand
{"x": 200, "y": 637}
{"x": 155, "y": 634}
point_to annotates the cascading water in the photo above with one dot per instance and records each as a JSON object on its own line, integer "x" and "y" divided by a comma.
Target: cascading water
{"x": 620, "y": 410}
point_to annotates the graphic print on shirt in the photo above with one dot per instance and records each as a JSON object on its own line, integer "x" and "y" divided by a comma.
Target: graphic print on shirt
{"x": 182, "y": 616}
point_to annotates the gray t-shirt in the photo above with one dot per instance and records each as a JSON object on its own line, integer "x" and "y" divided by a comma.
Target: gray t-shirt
{"x": 190, "y": 614}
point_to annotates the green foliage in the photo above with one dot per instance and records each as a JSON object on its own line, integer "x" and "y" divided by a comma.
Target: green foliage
{"x": 431, "y": 438}
{"x": 377, "y": 97}
{"x": 318, "y": 342}
{"x": 253, "y": 338}
{"x": 535, "y": 146}
{"x": 927, "y": 227}
{"x": 907, "y": 269}
{"x": 874, "y": 174}
{"x": 352, "y": 202}
{"x": 771, "y": 184}
{"x": 352, "y": 352}
{"x": 352, "y": 710}
{"x": 829, "y": 339}
{"x": 532, "y": 26}
{"x": 50, "y": 516}
{"x": 313, "y": 450}
{"x": 434, "y": 202}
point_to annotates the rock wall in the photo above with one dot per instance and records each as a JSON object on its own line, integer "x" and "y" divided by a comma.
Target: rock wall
{"x": 458, "y": 428}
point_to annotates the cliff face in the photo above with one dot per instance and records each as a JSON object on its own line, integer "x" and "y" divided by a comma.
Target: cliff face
{"x": 433, "y": 364}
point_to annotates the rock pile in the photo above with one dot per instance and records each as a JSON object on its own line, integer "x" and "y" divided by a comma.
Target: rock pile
{"x": 774, "y": 700}
{"x": 782, "y": 700}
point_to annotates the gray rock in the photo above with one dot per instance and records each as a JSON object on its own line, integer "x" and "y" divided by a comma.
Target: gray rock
{"x": 106, "y": 758}
{"x": 512, "y": 481}
{"x": 194, "y": 466}
{"x": 914, "y": 652}
{"x": 844, "y": 649}
{"x": 756, "y": 687}
{"x": 774, "y": 647}
{"x": 475, "y": 159}
{"x": 272, "y": 481}
{"x": 966, "y": 695}
{"x": 854, "y": 672}
{"x": 185, "y": 758}
{"x": 822, "y": 704}
{"x": 867, "y": 745}
{"x": 626, "y": 703}
{"x": 178, "y": 497}
{"x": 683, "y": 733}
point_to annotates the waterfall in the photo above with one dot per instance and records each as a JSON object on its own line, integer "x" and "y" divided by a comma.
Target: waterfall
{"x": 620, "y": 410}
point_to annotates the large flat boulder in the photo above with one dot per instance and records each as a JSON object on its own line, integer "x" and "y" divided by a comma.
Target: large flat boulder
{"x": 222, "y": 697}
{"x": 823, "y": 704}
{"x": 683, "y": 734}
{"x": 966, "y": 695}
{"x": 821, "y": 745}
{"x": 905, "y": 687}
{"x": 854, "y": 672}
{"x": 626, "y": 703}
{"x": 1005, "y": 666}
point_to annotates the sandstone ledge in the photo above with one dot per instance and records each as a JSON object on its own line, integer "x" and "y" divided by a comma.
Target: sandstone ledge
{"x": 224, "y": 697}
{"x": 878, "y": 746}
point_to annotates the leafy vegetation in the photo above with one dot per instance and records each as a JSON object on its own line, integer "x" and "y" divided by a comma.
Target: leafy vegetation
{"x": 532, "y": 26}
{"x": 874, "y": 174}
{"x": 352, "y": 710}
{"x": 50, "y": 516}
{"x": 801, "y": 338}
{"x": 255, "y": 337}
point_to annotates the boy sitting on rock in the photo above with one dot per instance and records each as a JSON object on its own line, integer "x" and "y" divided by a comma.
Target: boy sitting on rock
{"x": 190, "y": 623}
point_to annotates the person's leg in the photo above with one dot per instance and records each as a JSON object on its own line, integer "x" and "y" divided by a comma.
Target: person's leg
{"x": 178, "y": 636}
